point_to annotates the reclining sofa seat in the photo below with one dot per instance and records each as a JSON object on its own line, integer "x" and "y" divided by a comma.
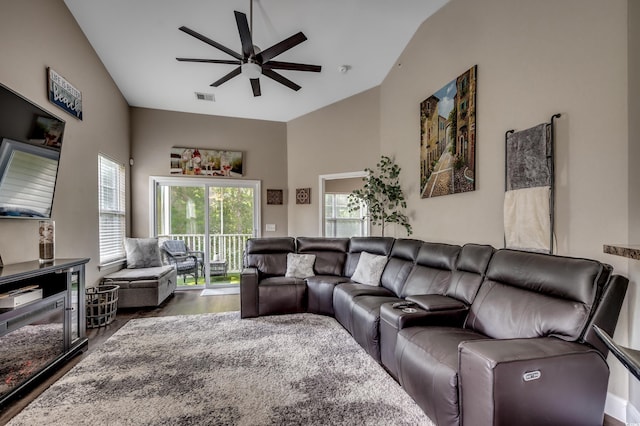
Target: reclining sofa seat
{"x": 344, "y": 292}
{"x": 265, "y": 290}
{"x": 363, "y": 315}
{"x": 441, "y": 292}
{"x": 331, "y": 257}
{"x": 520, "y": 357}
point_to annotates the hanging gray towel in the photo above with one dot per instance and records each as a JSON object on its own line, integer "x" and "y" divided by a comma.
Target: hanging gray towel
{"x": 527, "y": 163}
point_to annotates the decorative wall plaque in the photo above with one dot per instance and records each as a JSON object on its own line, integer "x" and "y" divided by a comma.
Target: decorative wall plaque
{"x": 274, "y": 196}
{"x": 63, "y": 94}
{"x": 303, "y": 196}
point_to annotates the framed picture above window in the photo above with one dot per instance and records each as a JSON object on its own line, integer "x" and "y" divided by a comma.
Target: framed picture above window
{"x": 206, "y": 162}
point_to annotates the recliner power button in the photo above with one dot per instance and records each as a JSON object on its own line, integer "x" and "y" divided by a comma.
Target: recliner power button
{"x": 531, "y": 375}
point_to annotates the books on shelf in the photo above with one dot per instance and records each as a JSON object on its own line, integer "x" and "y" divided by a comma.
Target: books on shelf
{"x": 20, "y": 296}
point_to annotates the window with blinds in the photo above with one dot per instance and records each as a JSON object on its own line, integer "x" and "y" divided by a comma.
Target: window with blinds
{"x": 111, "y": 199}
{"x": 339, "y": 221}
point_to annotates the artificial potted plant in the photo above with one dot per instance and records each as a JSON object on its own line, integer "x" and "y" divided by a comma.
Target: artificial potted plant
{"x": 382, "y": 195}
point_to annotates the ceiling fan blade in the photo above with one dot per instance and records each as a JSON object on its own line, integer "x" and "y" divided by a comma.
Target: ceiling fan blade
{"x": 227, "y": 77}
{"x": 276, "y": 65}
{"x": 280, "y": 79}
{"x": 255, "y": 85}
{"x": 245, "y": 34}
{"x": 211, "y": 42}
{"x": 210, "y": 61}
{"x": 283, "y": 46}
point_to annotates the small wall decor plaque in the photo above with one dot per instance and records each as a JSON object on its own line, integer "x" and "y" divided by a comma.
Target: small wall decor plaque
{"x": 274, "y": 196}
{"x": 303, "y": 196}
{"x": 63, "y": 94}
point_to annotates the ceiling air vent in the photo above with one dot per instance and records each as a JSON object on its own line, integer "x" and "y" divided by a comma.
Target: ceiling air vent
{"x": 205, "y": 97}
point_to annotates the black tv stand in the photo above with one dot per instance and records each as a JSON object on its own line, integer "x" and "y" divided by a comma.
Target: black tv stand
{"x": 39, "y": 336}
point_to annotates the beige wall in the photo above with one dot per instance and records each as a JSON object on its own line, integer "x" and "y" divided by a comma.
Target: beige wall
{"x": 155, "y": 132}
{"x": 343, "y": 185}
{"x": 535, "y": 58}
{"x": 343, "y": 137}
{"x": 37, "y": 34}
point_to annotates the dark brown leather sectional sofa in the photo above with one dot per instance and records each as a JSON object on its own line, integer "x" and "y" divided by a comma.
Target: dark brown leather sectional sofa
{"x": 498, "y": 337}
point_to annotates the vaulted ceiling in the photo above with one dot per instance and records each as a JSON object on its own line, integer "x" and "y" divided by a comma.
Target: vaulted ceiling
{"x": 138, "y": 42}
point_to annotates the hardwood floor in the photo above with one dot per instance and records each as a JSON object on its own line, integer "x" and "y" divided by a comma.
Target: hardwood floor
{"x": 186, "y": 302}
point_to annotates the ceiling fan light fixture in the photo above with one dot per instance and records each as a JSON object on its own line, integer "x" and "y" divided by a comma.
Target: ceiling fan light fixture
{"x": 251, "y": 70}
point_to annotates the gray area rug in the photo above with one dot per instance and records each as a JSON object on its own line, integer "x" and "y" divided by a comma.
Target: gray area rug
{"x": 216, "y": 369}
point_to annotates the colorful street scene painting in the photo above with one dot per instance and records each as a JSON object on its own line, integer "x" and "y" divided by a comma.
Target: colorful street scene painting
{"x": 448, "y": 138}
{"x": 206, "y": 162}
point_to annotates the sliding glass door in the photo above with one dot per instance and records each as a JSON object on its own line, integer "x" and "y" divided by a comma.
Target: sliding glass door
{"x": 212, "y": 216}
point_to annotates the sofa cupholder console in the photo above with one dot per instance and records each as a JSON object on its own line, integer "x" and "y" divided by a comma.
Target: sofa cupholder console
{"x": 475, "y": 335}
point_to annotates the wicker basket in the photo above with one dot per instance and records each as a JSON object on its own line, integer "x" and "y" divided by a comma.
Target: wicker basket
{"x": 102, "y": 303}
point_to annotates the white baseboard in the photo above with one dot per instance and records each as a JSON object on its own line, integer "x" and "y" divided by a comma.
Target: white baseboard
{"x": 621, "y": 410}
{"x": 633, "y": 416}
{"x": 616, "y": 407}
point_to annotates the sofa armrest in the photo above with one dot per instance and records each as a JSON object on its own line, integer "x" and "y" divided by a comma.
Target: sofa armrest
{"x": 249, "y": 278}
{"x": 539, "y": 381}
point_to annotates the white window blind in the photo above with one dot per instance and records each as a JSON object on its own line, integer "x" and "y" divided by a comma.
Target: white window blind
{"x": 339, "y": 221}
{"x": 111, "y": 182}
{"x": 27, "y": 185}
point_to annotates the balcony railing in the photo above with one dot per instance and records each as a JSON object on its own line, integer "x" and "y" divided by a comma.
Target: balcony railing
{"x": 227, "y": 247}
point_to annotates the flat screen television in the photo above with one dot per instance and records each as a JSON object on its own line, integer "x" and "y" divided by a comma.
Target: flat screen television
{"x": 30, "y": 146}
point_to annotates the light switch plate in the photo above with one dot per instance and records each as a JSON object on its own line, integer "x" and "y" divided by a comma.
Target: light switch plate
{"x": 270, "y": 227}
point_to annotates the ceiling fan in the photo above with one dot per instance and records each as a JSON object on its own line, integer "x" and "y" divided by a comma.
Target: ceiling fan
{"x": 254, "y": 62}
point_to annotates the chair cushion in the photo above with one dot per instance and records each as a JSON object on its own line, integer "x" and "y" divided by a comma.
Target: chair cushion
{"x": 401, "y": 260}
{"x": 343, "y": 300}
{"x": 320, "y": 293}
{"x": 268, "y": 255}
{"x": 535, "y": 295}
{"x": 331, "y": 253}
{"x": 153, "y": 273}
{"x": 281, "y": 295}
{"x": 175, "y": 247}
{"x": 365, "y": 320}
{"x": 427, "y": 359}
{"x": 142, "y": 253}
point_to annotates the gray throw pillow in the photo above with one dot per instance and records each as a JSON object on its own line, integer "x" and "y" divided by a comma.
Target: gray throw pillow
{"x": 300, "y": 265}
{"x": 369, "y": 269}
{"x": 142, "y": 252}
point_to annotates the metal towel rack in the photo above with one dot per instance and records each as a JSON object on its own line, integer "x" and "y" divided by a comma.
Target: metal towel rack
{"x": 551, "y": 167}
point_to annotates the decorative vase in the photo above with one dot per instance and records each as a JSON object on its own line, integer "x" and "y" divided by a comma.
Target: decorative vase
{"x": 46, "y": 242}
